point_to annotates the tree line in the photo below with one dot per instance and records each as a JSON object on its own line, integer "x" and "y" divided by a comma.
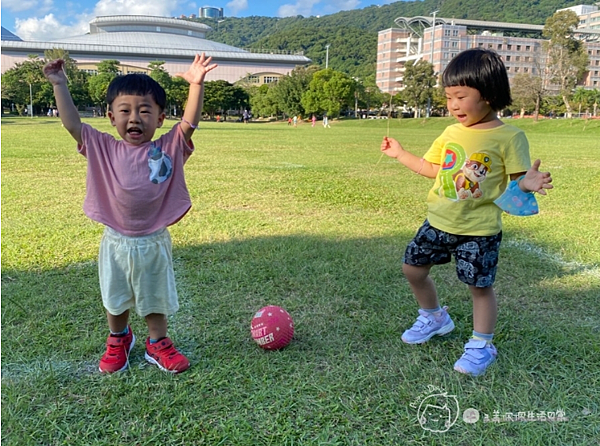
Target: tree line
{"x": 313, "y": 90}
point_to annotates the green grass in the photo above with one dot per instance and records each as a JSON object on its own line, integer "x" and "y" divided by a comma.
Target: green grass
{"x": 314, "y": 220}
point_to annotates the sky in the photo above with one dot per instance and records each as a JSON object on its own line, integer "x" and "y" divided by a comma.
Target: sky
{"x": 53, "y": 19}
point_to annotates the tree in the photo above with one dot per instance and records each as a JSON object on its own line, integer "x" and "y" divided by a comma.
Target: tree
{"x": 160, "y": 75}
{"x": 262, "y": 100}
{"x": 527, "y": 92}
{"x": 567, "y": 58}
{"x": 288, "y": 91}
{"x": 219, "y": 96}
{"x": 23, "y": 83}
{"x": 98, "y": 84}
{"x": 329, "y": 91}
{"x": 419, "y": 80}
{"x": 585, "y": 99}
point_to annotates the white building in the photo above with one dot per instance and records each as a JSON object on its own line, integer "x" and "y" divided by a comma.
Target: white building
{"x": 137, "y": 40}
{"x": 437, "y": 40}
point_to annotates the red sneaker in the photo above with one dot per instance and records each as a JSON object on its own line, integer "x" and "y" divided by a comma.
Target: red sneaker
{"x": 165, "y": 356}
{"x": 116, "y": 357}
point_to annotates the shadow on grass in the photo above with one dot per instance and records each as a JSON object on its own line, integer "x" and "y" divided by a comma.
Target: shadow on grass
{"x": 339, "y": 292}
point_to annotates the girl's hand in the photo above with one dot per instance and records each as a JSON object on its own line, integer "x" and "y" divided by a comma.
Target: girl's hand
{"x": 54, "y": 71}
{"x": 536, "y": 181}
{"x": 195, "y": 74}
{"x": 391, "y": 147}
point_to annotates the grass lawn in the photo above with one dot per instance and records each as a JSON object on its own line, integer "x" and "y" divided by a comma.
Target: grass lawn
{"x": 314, "y": 220}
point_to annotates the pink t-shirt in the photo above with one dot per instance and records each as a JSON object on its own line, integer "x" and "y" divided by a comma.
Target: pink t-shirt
{"x": 136, "y": 190}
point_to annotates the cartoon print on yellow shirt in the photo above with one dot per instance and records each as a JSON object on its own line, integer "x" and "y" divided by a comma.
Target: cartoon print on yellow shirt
{"x": 472, "y": 174}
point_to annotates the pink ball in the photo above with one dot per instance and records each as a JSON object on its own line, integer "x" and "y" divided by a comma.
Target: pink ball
{"x": 272, "y": 327}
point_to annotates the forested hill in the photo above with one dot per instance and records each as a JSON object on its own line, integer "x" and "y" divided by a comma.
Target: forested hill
{"x": 352, "y": 35}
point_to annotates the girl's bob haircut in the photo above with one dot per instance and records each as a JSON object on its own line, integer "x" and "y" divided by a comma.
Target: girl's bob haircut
{"x": 136, "y": 85}
{"x": 483, "y": 70}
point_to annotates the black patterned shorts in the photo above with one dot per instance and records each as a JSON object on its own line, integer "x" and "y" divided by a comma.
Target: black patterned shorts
{"x": 476, "y": 256}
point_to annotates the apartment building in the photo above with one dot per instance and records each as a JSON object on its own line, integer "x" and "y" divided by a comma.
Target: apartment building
{"x": 437, "y": 40}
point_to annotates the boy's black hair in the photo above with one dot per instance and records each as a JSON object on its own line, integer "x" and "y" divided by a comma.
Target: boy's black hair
{"x": 136, "y": 85}
{"x": 483, "y": 70}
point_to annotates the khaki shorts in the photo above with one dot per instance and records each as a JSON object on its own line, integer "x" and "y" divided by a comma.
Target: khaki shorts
{"x": 137, "y": 272}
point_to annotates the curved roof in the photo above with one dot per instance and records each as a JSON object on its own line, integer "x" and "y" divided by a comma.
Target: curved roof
{"x": 111, "y": 20}
{"x": 146, "y": 39}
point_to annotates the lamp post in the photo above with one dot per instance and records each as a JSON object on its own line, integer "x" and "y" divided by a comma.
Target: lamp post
{"x": 30, "y": 96}
{"x": 431, "y": 57}
{"x": 30, "y": 101}
{"x": 327, "y": 56}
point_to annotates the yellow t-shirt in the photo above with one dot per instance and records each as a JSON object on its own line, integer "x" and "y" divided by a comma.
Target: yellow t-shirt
{"x": 474, "y": 169}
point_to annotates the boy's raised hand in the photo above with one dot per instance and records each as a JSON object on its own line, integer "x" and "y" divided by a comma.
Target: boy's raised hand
{"x": 55, "y": 72}
{"x": 195, "y": 74}
{"x": 536, "y": 181}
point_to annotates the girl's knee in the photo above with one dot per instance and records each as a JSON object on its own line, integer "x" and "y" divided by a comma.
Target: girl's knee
{"x": 415, "y": 273}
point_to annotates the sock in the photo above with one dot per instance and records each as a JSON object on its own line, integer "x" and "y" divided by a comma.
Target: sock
{"x": 483, "y": 337}
{"x": 120, "y": 333}
{"x": 154, "y": 341}
{"x": 432, "y": 310}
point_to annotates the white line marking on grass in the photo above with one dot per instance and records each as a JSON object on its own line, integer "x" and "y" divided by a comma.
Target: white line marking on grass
{"x": 284, "y": 165}
{"x": 588, "y": 270}
{"x": 37, "y": 369}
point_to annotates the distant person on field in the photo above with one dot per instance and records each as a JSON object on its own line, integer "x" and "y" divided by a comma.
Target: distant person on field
{"x": 136, "y": 188}
{"x": 472, "y": 163}
{"x": 326, "y": 122}
{"x": 314, "y": 120}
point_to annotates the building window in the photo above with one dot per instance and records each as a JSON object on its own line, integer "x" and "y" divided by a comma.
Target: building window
{"x": 516, "y": 69}
{"x": 446, "y": 33}
{"x": 454, "y": 44}
{"x": 158, "y": 29}
{"x": 270, "y": 79}
{"x": 517, "y": 58}
{"x": 526, "y": 70}
{"x": 527, "y": 48}
{"x": 499, "y": 46}
{"x": 518, "y": 47}
{"x": 455, "y": 32}
{"x": 508, "y": 69}
{"x": 509, "y": 47}
{"x": 507, "y": 58}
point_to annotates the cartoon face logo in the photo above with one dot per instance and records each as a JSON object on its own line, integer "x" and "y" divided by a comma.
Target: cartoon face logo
{"x": 474, "y": 172}
{"x": 160, "y": 165}
{"x": 438, "y": 412}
